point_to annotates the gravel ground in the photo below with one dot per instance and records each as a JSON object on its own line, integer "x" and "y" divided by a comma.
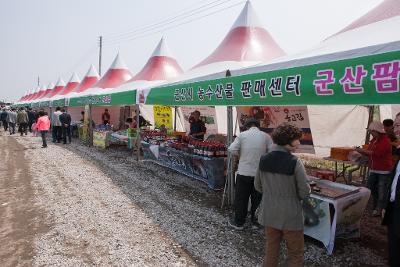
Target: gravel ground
{"x": 109, "y": 209}
{"x": 94, "y": 223}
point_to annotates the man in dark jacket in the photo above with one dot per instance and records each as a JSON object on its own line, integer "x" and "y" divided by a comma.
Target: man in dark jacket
{"x": 3, "y": 119}
{"x": 65, "y": 120}
{"x": 31, "y": 118}
{"x": 391, "y": 218}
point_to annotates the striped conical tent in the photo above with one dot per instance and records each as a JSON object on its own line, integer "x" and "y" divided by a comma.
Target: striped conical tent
{"x": 247, "y": 40}
{"x": 117, "y": 74}
{"x": 160, "y": 66}
{"x": 71, "y": 85}
{"x": 387, "y": 9}
{"x": 91, "y": 78}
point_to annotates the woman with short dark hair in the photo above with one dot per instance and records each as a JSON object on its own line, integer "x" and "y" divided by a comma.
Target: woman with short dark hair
{"x": 282, "y": 179}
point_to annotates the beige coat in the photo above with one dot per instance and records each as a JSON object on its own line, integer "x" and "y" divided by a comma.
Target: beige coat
{"x": 281, "y": 205}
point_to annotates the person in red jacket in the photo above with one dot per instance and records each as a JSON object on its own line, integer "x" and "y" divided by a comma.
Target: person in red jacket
{"x": 380, "y": 165}
{"x": 43, "y": 126}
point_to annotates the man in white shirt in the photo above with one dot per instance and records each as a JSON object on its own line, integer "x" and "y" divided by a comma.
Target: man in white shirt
{"x": 56, "y": 125}
{"x": 249, "y": 145}
{"x": 391, "y": 218}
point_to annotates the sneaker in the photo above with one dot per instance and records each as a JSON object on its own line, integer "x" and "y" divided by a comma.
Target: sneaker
{"x": 235, "y": 225}
{"x": 255, "y": 225}
{"x": 375, "y": 213}
{"x": 44, "y": 146}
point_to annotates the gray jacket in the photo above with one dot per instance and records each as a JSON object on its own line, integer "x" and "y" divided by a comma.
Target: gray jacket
{"x": 11, "y": 117}
{"x": 281, "y": 205}
{"x": 55, "y": 119}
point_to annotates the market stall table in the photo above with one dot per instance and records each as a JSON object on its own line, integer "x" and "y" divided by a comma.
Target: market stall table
{"x": 211, "y": 170}
{"x": 345, "y": 164}
{"x": 334, "y": 212}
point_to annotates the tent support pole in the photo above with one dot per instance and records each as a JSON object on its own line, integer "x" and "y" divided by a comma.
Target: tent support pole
{"x": 90, "y": 126}
{"x": 138, "y": 142}
{"x": 175, "y": 117}
{"x": 370, "y": 119}
{"x": 229, "y": 189}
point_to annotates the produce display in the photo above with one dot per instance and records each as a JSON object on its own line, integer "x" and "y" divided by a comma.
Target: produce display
{"x": 211, "y": 149}
{"x": 153, "y": 137}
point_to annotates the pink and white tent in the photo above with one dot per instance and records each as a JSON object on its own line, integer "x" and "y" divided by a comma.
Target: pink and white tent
{"x": 48, "y": 92}
{"x": 25, "y": 96}
{"x": 387, "y": 9}
{"x": 58, "y": 88}
{"x": 363, "y": 37}
{"x": 39, "y": 91}
{"x": 247, "y": 40}
{"x": 247, "y": 43}
{"x": 71, "y": 85}
{"x": 117, "y": 74}
{"x": 161, "y": 65}
{"x": 91, "y": 78}
{"x": 28, "y": 95}
{"x": 34, "y": 94}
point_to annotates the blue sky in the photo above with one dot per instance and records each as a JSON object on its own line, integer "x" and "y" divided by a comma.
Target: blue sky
{"x": 53, "y": 38}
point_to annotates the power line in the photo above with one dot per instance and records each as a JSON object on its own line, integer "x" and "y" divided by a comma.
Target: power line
{"x": 164, "y": 24}
{"x": 181, "y": 13}
{"x": 174, "y": 26}
{"x": 84, "y": 57}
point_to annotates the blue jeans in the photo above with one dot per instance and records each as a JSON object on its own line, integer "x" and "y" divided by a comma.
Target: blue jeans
{"x": 378, "y": 184}
{"x": 43, "y": 135}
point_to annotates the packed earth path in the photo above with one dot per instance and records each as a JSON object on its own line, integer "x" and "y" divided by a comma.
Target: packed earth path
{"x": 72, "y": 205}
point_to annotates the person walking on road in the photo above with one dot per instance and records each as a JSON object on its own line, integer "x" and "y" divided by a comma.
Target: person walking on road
{"x": 22, "y": 120}
{"x": 282, "y": 179}
{"x": 249, "y": 145}
{"x": 31, "y": 118}
{"x": 11, "y": 120}
{"x": 65, "y": 120}
{"x": 3, "y": 119}
{"x": 43, "y": 126}
{"x": 56, "y": 125}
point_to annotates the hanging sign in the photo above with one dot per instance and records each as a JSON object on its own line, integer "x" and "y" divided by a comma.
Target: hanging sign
{"x": 370, "y": 79}
{"x": 272, "y": 116}
{"x": 162, "y": 116}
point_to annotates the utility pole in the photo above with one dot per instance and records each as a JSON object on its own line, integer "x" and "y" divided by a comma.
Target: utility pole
{"x": 100, "y": 52}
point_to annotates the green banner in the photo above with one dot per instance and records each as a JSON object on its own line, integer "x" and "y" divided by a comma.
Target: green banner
{"x": 120, "y": 98}
{"x": 365, "y": 80}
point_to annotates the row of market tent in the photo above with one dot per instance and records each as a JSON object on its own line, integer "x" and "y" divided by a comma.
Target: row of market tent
{"x": 255, "y": 60}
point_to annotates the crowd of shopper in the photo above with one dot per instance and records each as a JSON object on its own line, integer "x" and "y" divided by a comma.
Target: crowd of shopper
{"x": 28, "y": 120}
{"x": 275, "y": 180}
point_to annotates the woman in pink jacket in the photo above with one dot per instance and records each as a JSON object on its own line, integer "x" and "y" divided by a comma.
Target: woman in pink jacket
{"x": 43, "y": 126}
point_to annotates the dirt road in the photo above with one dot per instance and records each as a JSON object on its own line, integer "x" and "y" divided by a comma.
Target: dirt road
{"x": 20, "y": 218}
